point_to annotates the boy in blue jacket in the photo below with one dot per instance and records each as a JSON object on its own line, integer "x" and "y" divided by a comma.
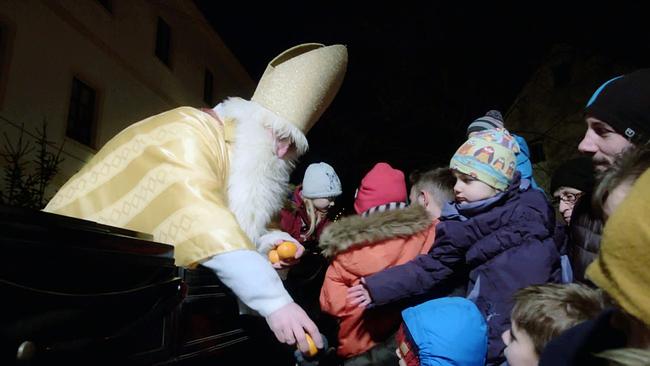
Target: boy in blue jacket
{"x": 442, "y": 332}
{"x": 497, "y": 237}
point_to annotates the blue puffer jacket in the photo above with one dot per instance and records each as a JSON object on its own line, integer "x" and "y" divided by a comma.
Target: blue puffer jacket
{"x": 504, "y": 246}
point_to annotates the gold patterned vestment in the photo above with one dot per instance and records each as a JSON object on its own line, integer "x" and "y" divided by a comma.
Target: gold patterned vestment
{"x": 167, "y": 176}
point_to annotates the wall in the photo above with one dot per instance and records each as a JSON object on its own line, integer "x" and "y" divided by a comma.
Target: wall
{"x": 50, "y": 42}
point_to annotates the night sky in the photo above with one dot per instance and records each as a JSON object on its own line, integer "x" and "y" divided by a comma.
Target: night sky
{"x": 418, "y": 75}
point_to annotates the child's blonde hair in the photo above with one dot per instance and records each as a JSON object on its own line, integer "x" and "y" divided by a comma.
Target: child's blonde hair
{"x": 439, "y": 182}
{"x": 545, "y": 311}
{"x": 314, "y": 219}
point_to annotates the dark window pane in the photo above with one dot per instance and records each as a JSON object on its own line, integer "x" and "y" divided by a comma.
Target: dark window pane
{"x": 81, "y": 116}
{"x": 163, "y": 40}
{"x": 107, "y": 4}
{"x": 208, "y": 82}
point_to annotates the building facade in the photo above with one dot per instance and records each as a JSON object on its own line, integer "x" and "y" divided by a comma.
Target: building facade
{"x": 89, "y": 68}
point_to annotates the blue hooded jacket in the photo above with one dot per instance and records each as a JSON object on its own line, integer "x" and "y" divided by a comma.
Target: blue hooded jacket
{"x": 447, "y": 332}
{"x": 524, "y": 166}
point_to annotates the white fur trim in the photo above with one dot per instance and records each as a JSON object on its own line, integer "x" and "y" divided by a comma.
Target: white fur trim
{"x": 258, "y": 180}
{"x": 242, "y": 109}
{"x": 252, "y": 279}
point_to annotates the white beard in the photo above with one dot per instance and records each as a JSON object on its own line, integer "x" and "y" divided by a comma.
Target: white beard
{"x": 258, "y": 180}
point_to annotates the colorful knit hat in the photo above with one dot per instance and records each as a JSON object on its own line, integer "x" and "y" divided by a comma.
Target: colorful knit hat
{"x": 488, "y": 156}
{"x": 492, "y": 119}
{"x": 382, "y": 188}
{"x": 624, "y": 103}
{"x": 621, "y": 268}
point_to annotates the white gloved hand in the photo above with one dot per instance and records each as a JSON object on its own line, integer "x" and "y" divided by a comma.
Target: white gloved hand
{"x": 269, "y": 240}
{"x": 289, "y": 324}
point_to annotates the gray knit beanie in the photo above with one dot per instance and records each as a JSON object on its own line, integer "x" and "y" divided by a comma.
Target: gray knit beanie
{"x": 320, "y": 181}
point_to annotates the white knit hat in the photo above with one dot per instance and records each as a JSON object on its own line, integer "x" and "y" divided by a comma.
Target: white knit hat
{"x": 320, "y": 181}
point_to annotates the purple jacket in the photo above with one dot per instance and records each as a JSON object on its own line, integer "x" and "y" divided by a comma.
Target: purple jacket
{"x": 504, "y": 246}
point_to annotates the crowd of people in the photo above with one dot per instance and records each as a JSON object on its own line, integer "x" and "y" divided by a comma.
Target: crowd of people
{"x": 472, "y": 263}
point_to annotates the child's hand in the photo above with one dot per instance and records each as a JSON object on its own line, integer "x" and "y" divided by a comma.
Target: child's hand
{"x": 358, "y": 295}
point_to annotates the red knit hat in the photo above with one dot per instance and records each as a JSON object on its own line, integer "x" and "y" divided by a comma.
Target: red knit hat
{"x": 381, "y": 186}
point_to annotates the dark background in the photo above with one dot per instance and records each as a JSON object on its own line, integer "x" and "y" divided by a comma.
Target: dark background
{"x": 417, "y": 75}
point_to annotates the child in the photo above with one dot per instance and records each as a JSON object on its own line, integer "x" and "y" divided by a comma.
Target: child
{"x": 498, "y": 231}
{"x": 447, "y": 331}
{"x": 384, "y": 234}
{"x": 307, "y": 216}
{"x": 432, "y": 189}
{"x": 494, "y": 119}
{"x": 305, "y": 220}
{"x": 542, "y": 312}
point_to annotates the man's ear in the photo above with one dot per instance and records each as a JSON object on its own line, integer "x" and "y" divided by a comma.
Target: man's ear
{"x": 282, "y": 147}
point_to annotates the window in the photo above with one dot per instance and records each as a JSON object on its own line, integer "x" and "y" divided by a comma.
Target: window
{"x": 208, "y": 82}
{"x": 81, "y": 116}
{"x": 107, "y": 4}
{"x": 6, "y": 38}
{"x": 163, "y": 41}
{"x": 2, "y": 58}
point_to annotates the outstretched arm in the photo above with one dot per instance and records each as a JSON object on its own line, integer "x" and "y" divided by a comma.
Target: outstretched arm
{"x": 251, "y": 277}
{"x": 426, "y": 272}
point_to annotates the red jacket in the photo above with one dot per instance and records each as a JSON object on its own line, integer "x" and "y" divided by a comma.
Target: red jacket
{"x": 362, "y": 246}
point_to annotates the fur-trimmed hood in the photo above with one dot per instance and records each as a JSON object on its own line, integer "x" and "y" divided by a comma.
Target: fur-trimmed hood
{"x": 358, "y": 231}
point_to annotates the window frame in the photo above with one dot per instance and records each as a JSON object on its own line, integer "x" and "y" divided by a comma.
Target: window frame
{"x": 168, "y": 62}
{"x": 94, "y": 122}
{"x": 209, "y": 86}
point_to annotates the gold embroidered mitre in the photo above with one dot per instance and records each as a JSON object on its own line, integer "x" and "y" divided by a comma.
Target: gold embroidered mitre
{"x": 300, "y": 83}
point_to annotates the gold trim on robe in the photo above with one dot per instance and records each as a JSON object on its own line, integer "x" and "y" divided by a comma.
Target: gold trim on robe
{"x": 167, "y": 176}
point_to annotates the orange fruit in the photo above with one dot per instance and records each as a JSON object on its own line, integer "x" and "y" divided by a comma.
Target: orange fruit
{"x": 287, "y": 250}
{"x": 273, "y": 256}
{"x": 312, "y": 346}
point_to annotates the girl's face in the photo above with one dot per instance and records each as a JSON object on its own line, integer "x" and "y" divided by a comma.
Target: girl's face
{"x": 323, "y": 204}
{"x": 470, "y": 189}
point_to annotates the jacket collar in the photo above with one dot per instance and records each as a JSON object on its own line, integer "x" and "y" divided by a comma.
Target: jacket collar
{"x": 355, "y": 231}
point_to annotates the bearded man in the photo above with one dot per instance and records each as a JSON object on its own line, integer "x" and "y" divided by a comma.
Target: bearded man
{"x": 209, "y": 182}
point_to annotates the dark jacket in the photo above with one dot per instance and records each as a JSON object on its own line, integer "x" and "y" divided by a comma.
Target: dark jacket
{"x": 584, "y": 237}
{"x": 577, "y": 345}
{"x": 504, "y": 247}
